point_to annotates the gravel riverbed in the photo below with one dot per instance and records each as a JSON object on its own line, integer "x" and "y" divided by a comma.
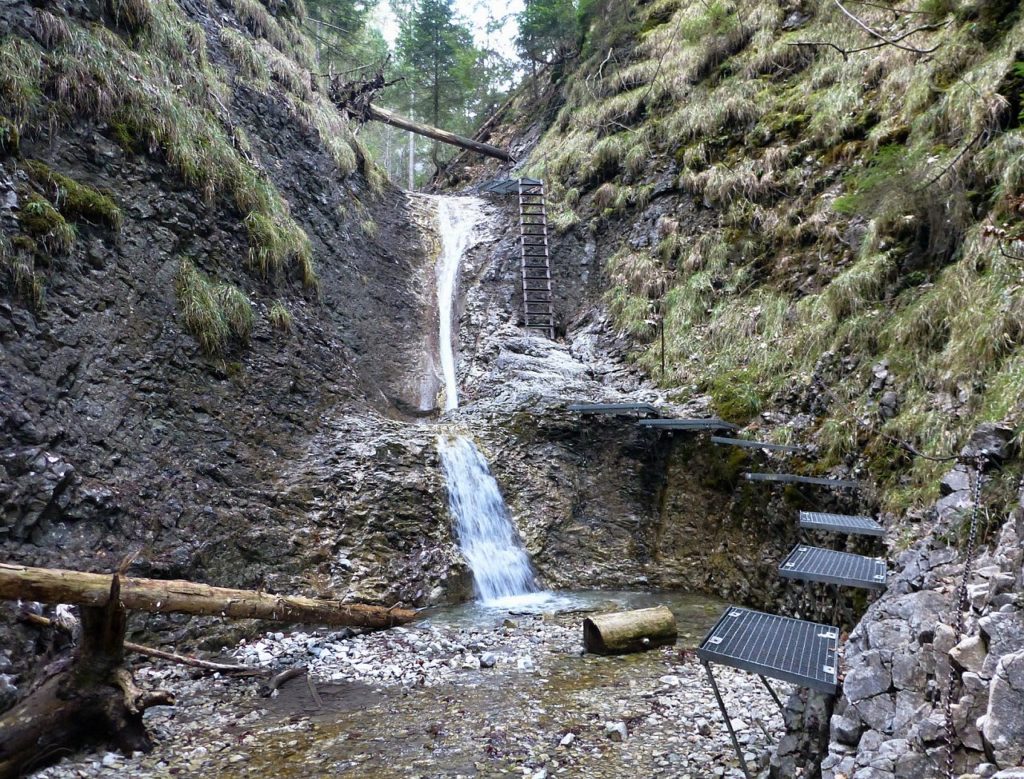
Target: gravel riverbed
{"x": 515, "y": 696}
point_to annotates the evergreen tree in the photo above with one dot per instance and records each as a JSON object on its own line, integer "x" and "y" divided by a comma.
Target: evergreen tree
{"x": 436, "y": 55}
{"x": 548, "y": 31}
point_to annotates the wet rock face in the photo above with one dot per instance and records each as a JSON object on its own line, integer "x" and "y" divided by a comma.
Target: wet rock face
{"x": 599, "y": 501}
{"x": 118, "y": 435}
{"x": 890, "y": 718}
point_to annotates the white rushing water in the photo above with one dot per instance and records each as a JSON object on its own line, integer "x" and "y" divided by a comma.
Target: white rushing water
{"x": 457, "y": 219}
{"x": 488, "y": 539}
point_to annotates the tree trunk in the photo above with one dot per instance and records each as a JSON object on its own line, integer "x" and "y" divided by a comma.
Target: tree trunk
{"x": 629, "y": 631}
{"x": 91, "y": 589}
{"x": 383, "y": 115}
{"x": 91, "y": 699}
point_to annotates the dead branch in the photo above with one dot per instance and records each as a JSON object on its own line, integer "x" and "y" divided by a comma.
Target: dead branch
{"x": 960, "y": 155}
{"x": 1008, "y": 255}
{"x": 148, "y": 651}
{"x": 891, "y": 41}
{"x": 47, "y": 585}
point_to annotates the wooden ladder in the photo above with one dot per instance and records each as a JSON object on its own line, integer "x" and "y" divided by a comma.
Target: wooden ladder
{"x": 536, "y": 262}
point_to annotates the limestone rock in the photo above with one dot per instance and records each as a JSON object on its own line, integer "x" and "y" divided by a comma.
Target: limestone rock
{"x": 991, "y": 441}
{"x": 616, "y": 731}
{"x": 867, "y": 677}
{"x": 1003, "y": 723}
{"x": 969, "y": 654}
{"x": 845, "y": 730}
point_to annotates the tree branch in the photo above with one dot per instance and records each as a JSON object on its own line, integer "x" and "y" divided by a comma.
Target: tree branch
{"x": 952, "y": 164}
{"x": 891, "y": 41}
{"x": 148, "y": 651}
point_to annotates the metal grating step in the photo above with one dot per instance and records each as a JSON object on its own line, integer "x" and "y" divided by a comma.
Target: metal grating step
{"x": 612, "y": 408}
{"x": 792, "y": 650}
{"x": 841, "y": 523}
{"x": 755, "y": 444}
{"x": 689, "y": 424}
{"x": 793, "y": 478}
{"x": 815, "y": 564}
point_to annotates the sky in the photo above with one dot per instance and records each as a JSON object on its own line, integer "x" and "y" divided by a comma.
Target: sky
{"x": 478, "y": 14}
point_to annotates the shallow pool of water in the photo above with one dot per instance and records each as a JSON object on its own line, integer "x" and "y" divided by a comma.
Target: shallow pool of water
{"x": 694, "y": 614}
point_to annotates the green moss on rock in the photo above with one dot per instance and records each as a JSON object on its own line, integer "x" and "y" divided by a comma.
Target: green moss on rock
{"x": 44, "y": 223}
{"x": 76, "y": 201}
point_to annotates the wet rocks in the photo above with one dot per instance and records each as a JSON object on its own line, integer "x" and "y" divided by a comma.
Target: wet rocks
{"x": 34, "y": 491}
{"x": 433, "y": 712}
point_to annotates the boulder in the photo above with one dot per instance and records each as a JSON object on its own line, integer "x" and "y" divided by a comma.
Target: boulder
{"x": 990, "y": 441}
{"x": 867, "y": 677}
{"x": 969, "y": 654}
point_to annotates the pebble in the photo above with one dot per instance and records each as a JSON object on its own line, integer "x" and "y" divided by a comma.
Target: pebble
{"x": 616, "y": 731}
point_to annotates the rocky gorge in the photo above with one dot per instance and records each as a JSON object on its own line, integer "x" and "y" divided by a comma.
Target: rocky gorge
{"x": 303, "y": 457}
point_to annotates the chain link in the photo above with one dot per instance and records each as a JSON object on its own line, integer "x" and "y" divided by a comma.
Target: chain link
{"x": 961, "y": 607}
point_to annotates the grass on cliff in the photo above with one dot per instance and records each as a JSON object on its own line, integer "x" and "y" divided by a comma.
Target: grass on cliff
{"x": 860, "y": 211}
{"x": 17, "y": 270}
{"x": 216, "y": 314}
{"x": 158, "y": 93}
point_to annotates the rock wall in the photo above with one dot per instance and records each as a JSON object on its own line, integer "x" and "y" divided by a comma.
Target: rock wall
{"x": 890, "y": 719}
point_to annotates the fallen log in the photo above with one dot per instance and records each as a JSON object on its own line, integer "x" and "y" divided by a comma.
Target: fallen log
{"x": 379, "y": 114}
{"x": 52, "y": 585}
{"x": 629, "y": 631}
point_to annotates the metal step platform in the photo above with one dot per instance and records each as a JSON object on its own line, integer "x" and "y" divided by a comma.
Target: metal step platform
{"x": 840, "y": 523}
{"x": 505, "y": 186}
{"x": 613, "y": 408}
{"x": 688, "y": 424}
{"x": 814, "y": 564}
{"x": 792, "y": 478}
{"x": 792, "y": 650}
{"x": 748, "y": 444}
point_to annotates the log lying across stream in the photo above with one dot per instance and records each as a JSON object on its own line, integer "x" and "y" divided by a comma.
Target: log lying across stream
{"x": 629, "y": 631}
{"x": 91, "y": 697}
{"x": 53, "y": 585}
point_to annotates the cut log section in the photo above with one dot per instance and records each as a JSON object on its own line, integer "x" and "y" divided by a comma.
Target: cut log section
{"x": 52, "y": 585}
{"x": 629, "y": 631}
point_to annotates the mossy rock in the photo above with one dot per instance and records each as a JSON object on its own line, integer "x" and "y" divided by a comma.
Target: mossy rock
{"x": 75, "y": 200}
{"x": 40, "y": 220}
{"x": 735, "y": 396}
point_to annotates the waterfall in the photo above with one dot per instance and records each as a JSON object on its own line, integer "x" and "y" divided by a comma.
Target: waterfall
{"x": 487, "y": 537}
{"x": 457, "y": 219}
{"x": 489, "y": 541}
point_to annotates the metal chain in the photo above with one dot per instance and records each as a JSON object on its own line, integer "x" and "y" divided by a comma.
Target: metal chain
{"x": 961, "y": 607}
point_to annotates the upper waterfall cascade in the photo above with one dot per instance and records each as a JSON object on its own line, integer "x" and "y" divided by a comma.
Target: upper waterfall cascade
{"x": 458, "y": 218}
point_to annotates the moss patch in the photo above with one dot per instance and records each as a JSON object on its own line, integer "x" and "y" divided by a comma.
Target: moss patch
{"x": 44, "y": 223}
{"x": 76, "y": 201}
